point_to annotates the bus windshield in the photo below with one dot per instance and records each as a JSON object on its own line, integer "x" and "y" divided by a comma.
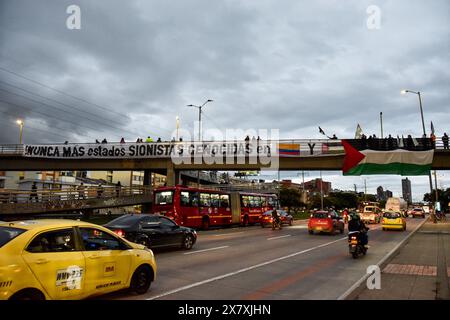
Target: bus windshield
{"x": 164, "y": 197}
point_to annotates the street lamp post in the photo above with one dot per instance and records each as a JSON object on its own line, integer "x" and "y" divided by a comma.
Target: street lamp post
{"x": 424, "y": 132}
{"x": 321, "y": 191}
{"x": 20, "y": 123}
{"x": 381, "y": 123}
{"x": 199, "y": 129}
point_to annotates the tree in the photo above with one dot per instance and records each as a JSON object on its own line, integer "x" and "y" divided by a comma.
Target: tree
{"x": 290, "y": 198}
{"x": 443, "y": 196}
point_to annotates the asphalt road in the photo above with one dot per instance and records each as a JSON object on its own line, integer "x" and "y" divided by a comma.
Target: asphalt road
{"x": 260, "y": 263}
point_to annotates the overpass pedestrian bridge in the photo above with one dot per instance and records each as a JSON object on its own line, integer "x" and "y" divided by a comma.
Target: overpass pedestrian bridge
{"x": 286, "y": 154}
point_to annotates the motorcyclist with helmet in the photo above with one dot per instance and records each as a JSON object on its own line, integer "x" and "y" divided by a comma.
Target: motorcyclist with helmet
{"x": 276, "y": 218}
{"x": 356, "y": 224}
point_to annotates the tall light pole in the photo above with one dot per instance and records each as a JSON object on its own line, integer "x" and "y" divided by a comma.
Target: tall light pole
{"x": 20, "y": 123}
{"x": 199, "y": 129}
{"x": 321, "y": 191}
{"x": 424, "y": 132}
{"x": 177, "y": 126}
{"x": 381, "y": 123}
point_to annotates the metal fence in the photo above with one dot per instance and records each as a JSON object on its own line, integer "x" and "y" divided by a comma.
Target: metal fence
{"x": 67, "y": 194}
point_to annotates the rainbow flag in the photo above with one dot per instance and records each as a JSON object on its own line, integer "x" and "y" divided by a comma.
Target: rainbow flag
{"x": 289, "y": 149}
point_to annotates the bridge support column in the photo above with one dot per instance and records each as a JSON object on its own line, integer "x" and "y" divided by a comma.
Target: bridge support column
{"x": 148, "y": 182}
{"x": 173, "y": 177}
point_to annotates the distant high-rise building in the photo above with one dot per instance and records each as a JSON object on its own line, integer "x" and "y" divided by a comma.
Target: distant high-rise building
{"x": 406, "y": 190}
{"x": 381, "y": 195}
{"x": 388, "y": 194}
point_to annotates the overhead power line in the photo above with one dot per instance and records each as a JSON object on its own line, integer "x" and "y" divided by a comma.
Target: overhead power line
{"x": 123, "y": 116}
{"x": 61, "y": 92}
{"x": 74, "y": 114}
{"x": 34, "y": 128}
{"x": 53, "y": 100}
{"x": 47, "y": 115}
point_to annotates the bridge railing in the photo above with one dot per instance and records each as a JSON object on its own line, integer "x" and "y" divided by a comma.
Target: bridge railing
{"x": 12, "y": 149}
{"x": 86, "y": 193}
{"x": 328, "y": 146}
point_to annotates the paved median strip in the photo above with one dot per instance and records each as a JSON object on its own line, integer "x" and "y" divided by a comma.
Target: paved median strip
{"x": 204, "y": 250}
{"x": 411, "y": 269}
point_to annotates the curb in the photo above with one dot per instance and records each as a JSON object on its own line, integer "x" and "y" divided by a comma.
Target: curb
{"x": 358, "y": 283}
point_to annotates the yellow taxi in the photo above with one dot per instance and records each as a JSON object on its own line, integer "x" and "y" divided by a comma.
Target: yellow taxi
{"x": 66, "y": 259}
{"x": 393, "y": 221}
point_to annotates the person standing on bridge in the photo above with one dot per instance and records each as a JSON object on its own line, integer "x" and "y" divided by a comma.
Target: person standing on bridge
{"x": 445, "y": 141}
{"x": 99, "y": 191}
{"x": 118, "y": 188}
{"x": 149, "y": 139}
{"x": 122, "y": 140}
{"x": 81, "y": 191}
{"x": 33, "y": 194}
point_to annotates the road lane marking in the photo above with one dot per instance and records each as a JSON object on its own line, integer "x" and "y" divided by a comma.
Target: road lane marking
{"x": 204, "y": 250}
{"x": 364, "y": 277}
{"x": 273, "y": 238}
{"x": 289, "y": 280}
{"x": 196, "y": 284}
{"x": 227, "y": 234}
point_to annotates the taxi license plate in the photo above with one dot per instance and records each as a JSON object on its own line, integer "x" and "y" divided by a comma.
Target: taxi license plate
{"x": 318, "y": 228}
{"x": 354, "y": 242}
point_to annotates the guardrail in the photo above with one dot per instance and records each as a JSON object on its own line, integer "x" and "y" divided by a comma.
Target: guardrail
{"x": 67, "y": 194}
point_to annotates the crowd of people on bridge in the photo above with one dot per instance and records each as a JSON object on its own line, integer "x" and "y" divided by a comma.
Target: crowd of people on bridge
{"x": 371, "y": 141}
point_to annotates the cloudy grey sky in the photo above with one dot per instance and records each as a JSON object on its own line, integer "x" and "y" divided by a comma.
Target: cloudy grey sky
{"x": 291, "y": 65}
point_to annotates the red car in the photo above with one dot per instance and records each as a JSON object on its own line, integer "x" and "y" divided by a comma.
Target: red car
{"x": 266, "y": 218}
{"x": 325, "y": 221}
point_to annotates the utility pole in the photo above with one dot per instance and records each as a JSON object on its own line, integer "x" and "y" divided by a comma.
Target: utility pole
{"x": 321, "y": 192}
{"x": 381, "y": 123}
{"x": 365, "y": 190}
{"x": 435, "y": 186}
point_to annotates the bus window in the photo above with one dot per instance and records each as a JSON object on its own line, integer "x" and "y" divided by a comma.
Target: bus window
{"x": 272, "y": 201}
{"x": 245, "y": 201}
{"x": 215, "y": 200}
{"x": 257, "y": 202}
{"x": 184, "y": 199}
{"x": 224, "y": 201}
{"x": 263, "y": 201}
{"x": 252, "y": 201}
{"x": 164, "y": 197}
{"x": 205, "y": 200}
{"x": 193, "y": 197}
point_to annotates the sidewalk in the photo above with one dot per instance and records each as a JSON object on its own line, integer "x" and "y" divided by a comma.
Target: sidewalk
{"x": 419, "y": 270}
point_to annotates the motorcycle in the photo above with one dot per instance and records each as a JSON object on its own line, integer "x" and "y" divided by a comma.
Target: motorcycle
{"x": 276, "y": 223}
{"x": 355, "y": 246}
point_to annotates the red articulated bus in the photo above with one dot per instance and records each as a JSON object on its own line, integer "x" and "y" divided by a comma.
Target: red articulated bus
{"x": 201, "y": 208}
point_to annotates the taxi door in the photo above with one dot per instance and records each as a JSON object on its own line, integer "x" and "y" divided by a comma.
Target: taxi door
{"x": 55, "y": 262}
{"x": 107, "y": 259}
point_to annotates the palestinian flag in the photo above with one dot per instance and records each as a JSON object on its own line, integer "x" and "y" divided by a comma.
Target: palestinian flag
{"x": 412, "y": 157}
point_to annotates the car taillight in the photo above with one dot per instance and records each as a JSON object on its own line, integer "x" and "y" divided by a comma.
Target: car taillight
{"x": 120, "y": 233}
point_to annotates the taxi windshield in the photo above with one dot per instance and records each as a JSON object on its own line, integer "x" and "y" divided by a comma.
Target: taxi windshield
{"x": 9, "y": 233}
